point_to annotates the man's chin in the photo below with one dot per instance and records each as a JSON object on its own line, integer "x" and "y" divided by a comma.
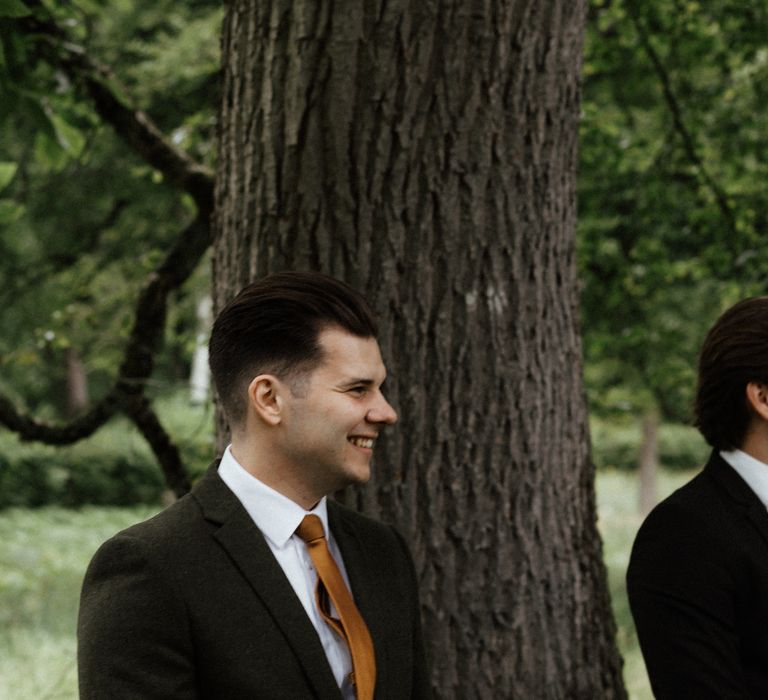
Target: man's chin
{"x": 356, "y": 476}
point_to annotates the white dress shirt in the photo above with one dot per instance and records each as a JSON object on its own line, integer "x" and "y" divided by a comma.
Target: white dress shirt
{"x": 278, "y": 517}
{"x": 752, "y": 470}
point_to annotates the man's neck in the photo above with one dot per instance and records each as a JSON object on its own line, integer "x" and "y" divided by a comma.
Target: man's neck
{"x": 267, "y": 471}
{"x": 756, "y": 444}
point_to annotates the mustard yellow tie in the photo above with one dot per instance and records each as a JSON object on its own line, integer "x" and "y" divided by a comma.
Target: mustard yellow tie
{"x": 351, "y": 627}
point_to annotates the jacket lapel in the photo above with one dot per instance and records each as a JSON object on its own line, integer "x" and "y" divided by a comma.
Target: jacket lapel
{"x": 739, "y": 491}
{"x": 250, "y": 553}
{"x": 364, "y": 583}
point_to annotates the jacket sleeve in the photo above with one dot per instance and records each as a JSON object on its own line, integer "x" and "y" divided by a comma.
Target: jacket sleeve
{"x": 133, "y": 631}
{"x": 681, "y": 589}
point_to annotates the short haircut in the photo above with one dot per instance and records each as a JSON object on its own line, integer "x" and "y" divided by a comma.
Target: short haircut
{"x": 272, "y": 327}
{"x": 735, "y": 352}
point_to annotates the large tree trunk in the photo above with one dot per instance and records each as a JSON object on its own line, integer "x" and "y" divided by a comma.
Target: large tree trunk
{"x": 426, "y": 153}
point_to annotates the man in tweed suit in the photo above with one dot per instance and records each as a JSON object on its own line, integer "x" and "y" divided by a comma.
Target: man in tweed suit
{"x": 215, "y": 596}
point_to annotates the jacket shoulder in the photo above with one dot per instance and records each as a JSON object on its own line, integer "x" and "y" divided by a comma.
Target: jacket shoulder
{"x": 709, "y": 505}
{"x": 362, "y": 525}
{"x": 698, "y": 531}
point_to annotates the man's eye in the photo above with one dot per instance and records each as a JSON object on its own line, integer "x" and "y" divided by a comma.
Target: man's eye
{"x": 360, "y": 390}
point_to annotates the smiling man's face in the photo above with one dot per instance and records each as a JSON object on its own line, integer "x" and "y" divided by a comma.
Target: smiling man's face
{"x": 330, "y": 429}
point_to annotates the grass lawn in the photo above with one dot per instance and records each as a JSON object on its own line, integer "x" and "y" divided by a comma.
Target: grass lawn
{"x": 43, "y": 556}
{"x": 44, "y": 552}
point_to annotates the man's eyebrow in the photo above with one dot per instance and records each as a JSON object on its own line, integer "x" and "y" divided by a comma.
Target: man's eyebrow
{"x": 358, "y": 382}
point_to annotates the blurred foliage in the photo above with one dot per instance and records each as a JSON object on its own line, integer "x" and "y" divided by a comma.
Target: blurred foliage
{"x": 83, "y": 219}
{"x": 114, "y": 467}
{"x": 672, "y": 190}
{"x": 616, "y": 444}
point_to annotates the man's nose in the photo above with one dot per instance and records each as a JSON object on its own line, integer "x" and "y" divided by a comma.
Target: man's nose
{"x": 382, "y": 413}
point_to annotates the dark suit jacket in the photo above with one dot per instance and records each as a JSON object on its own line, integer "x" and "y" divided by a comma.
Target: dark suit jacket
{"x": 192, "y": 604}
{"x": 698, "y": 589}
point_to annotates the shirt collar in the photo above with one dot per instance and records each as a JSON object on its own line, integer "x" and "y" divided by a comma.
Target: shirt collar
{"x": 752, "y": 470}
{"x": 276, "y": 515}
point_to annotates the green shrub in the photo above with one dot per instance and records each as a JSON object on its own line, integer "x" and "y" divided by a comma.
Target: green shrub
{"x": 22, "y": 482}
{"x": 616, "y": 444}
{"x": 43, "y": 476}
{"x": 113, "y": 467}
{"x": 682, "y": 447}
{"x": 115, "y": 479}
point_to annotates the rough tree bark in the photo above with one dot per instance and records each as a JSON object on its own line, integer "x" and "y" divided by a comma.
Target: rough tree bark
{"x": 426, "y": 153}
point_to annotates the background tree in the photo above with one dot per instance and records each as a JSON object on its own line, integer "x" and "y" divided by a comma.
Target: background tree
{"x": 672, "y": 188}
{"x": 672, "y": 193}
{"x": 97, "y": 196}
{"x": 94, "y": 277}
{"x": 427, "y": 154}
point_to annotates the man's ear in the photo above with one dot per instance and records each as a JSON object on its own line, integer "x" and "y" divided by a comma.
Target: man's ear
{"x": 757, "y": 396}
{"x": 265, "y": 398}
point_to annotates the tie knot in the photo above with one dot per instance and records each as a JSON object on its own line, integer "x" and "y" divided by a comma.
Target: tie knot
{"x": 311, "y": 529}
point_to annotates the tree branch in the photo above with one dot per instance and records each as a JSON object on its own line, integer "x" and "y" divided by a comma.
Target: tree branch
{"x": 138, "y": 358}
{"x": 138, "y": 130}
{"x": 134, "y": 126}
{"x": 140, "y": 411}
{"x": 29, "y": 428}
{"x": 20, "y": 280}
{"x": 151, "y": 307}
{"x": 689, "y": 144}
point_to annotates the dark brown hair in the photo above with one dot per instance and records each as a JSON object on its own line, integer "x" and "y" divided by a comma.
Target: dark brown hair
{"x": 272, "y": 326}
{"x": 735, "y": 352}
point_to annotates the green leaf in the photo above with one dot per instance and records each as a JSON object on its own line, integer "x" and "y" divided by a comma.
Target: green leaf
{"x": 48, "y": 151}
{"x": 13, "y": 8}
{"x": 7, "y": 171}
{"x": 70, "y": 138}
{"x": 10, "y": 211}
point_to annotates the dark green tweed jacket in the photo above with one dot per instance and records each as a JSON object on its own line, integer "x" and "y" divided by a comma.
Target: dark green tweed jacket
{"x": 192, "y": 604}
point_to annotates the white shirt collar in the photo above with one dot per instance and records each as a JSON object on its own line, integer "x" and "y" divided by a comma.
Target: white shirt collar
{"x": 276, "y": 515}
{"x": 752, "y": 470}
